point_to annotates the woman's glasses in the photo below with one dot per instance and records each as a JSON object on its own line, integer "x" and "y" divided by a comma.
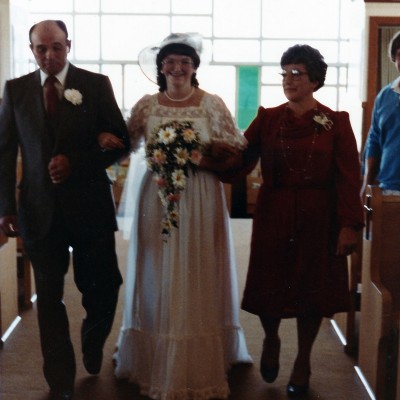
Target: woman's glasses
{"x": 170, "y": 62}
{"x": 294, "y": 73}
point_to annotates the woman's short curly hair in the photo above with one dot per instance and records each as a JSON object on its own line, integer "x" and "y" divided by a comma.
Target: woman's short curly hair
{"x": 394, "y": 45}
{"x": 311, "y": 58}
{"x": 179, "y": 49}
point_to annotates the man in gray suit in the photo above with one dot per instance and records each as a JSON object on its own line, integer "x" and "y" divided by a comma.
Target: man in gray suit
{"x": 65, "y": 197}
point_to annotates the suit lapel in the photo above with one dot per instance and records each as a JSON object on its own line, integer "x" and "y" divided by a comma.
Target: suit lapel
{"x": 67, "y": 114}
{"x": 36, "y": 105}
{"x": 34, "y": 109}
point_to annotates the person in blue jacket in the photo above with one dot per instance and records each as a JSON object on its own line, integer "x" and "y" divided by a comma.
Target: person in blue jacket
{"x": 382, "y": 161}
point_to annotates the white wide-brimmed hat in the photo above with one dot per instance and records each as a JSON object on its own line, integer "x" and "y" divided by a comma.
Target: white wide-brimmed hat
{"x": 147, "y": 56}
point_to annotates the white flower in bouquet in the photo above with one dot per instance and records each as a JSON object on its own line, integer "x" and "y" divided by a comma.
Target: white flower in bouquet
{"x": 178, "y": 178}
{"x": 182, "y": 156}
{"x": 167, "y": 135}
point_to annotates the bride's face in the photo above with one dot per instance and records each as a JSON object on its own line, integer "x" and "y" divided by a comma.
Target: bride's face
{"x": 178, "y": 70}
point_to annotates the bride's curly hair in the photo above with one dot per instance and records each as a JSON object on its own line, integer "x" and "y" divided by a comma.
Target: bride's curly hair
{"x": 179, "y": 49}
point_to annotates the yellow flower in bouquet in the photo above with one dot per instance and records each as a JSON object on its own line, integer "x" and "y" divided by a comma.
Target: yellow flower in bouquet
{"x": 171, "y": 150}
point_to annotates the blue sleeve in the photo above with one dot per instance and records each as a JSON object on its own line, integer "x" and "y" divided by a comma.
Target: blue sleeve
{"x": 373, "y": 145}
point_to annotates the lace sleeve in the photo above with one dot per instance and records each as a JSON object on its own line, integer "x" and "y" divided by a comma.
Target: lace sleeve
{"x": 137, "y": 122}
{"x": 223, "y": 126}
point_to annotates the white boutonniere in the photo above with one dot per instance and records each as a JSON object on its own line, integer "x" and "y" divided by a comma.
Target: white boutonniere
{"x": 74, "y": 96}
{"x": 323, "y": 120}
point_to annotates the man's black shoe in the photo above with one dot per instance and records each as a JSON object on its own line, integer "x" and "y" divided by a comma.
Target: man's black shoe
{"x": 92, "y": 362}
{"x": 61, "y": 394}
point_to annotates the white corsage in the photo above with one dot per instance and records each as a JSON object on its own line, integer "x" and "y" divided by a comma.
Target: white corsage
{"x": 323, "y": 120}
{"x": 74, "y": 96}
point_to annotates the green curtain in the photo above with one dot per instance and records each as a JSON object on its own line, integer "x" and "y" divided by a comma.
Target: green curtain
{"x": 248, "y": 94}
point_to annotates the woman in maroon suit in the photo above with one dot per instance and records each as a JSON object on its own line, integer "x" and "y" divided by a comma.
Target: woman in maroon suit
{"x": 307, "y": 215}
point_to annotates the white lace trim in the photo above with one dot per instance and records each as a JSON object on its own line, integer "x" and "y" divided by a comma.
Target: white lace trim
{"x": 212, "y": 108}
{"x": 187, "y": 394}
{"x": 180, "y": 367}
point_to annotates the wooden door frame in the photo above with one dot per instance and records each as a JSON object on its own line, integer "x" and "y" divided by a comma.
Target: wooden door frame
{"x": 375, "y": 23}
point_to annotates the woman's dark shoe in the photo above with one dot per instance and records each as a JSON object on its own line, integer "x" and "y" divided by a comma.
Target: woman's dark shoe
{"x": 298, "y": 375}
{"x": 294, "y": 390}
{"x": 269, "y": 364}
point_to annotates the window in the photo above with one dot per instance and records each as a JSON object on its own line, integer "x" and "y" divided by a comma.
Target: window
{"x": 107, "y": 36}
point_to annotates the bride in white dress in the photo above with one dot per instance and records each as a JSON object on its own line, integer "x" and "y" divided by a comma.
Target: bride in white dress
{"x": 181, "y": 331}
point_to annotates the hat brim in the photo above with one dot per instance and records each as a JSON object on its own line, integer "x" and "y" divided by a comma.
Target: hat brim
{"x": 147, "y": 57}
{"x": 147, "y": 62}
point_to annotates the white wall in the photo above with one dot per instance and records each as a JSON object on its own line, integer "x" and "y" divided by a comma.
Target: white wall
{"x": 352, "y": 22}
{"x": 20, "y": 24}
{"x": 5, "y": 43}
{"x": 14, "y": 43}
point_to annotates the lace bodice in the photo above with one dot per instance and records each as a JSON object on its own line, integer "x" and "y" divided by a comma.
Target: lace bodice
{"x": 211, "y": 118}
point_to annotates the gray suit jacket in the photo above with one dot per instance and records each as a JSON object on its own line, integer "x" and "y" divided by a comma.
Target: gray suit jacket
{"x": 85, "y": 199}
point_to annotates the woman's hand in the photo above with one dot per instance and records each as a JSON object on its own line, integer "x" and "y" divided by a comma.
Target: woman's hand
{"x": 109, "y": 141}
{"x": 9, "y": 225}
{"x": 347, "y": 241}
{"x": 221, "y": 150}
{"x": 221, "y": 157}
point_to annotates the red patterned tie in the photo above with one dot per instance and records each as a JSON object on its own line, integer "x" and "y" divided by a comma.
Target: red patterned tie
{"x": 51, "y": 96}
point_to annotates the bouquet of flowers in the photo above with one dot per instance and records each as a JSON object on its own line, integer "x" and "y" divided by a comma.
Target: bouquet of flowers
{"x": 171, "y": 150}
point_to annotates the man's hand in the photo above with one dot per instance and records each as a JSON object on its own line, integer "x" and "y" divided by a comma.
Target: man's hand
{"x": 59, "y": 168}
{"x": 8, "y": 224}
{"x": 109, "y": 141}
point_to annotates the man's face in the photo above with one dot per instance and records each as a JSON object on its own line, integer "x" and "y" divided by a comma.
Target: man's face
{"x": 50, "y": 47}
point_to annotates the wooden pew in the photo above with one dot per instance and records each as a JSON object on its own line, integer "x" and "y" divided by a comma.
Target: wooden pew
{"x": 16, "y": 283}
{"x": 26, "y": 286}
{"x": 8, "y": 283}
{"x": 348, "y": 323}
{"x": 25, "y": 275}
{"x": 398, "y": 372}
{"x": 380, "y": 299}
